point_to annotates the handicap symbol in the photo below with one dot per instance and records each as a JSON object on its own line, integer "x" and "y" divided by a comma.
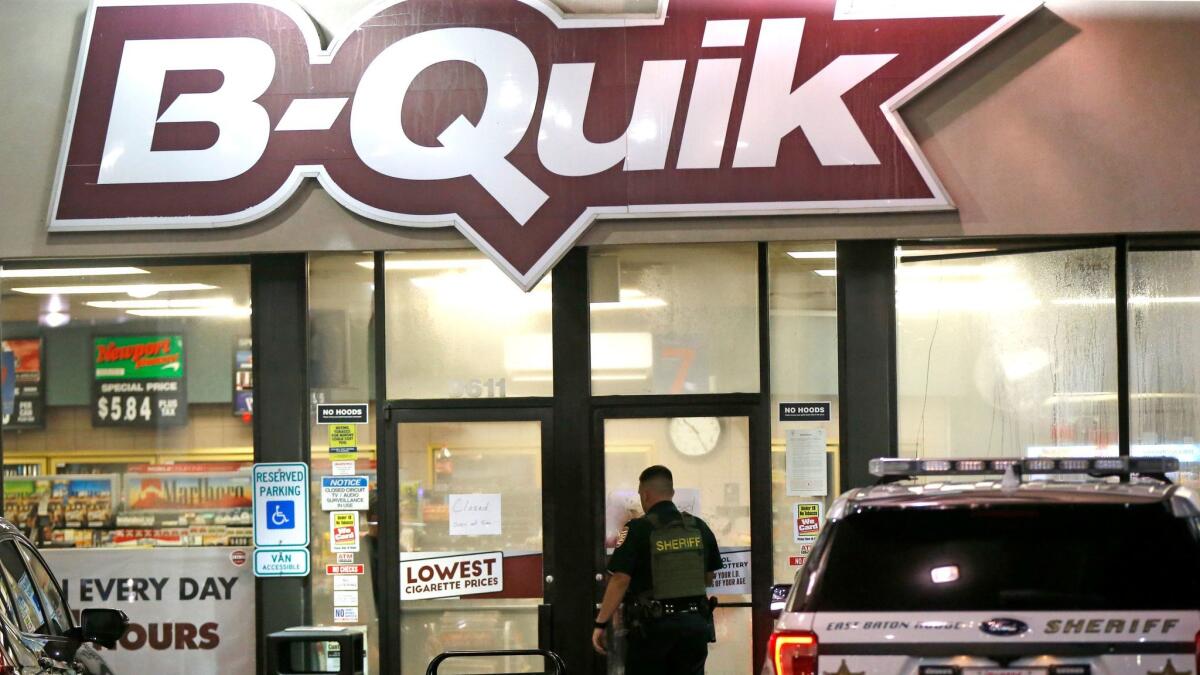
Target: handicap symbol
{"x": 280, "y": 515}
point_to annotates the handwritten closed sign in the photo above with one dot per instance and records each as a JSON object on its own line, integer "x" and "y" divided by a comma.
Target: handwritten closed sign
{"x": 475, "y": 514}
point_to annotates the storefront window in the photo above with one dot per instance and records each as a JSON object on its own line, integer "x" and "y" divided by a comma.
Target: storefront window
{"x": 1006, "y": 354}
{"x": 804, "y": 396}
{"x": 710, "y": 460}
{"x": 128, "y": 437}
{"x": 457, "y": 327}
{"x": 341, "y": 342}
{"x": 677, "y": 319}
{"x": 1164, "y": 337}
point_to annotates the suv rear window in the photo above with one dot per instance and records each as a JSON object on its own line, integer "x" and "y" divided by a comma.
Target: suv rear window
{"x": 1014, "y": 557}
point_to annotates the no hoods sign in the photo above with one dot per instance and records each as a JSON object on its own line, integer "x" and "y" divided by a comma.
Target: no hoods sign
{"x": 452, "y": 576}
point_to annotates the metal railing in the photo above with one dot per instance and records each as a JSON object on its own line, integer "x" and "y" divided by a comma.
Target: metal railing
{"x": 560, "y": 667}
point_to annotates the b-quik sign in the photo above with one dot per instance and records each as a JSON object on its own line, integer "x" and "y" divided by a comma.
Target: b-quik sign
{"x": 200, "y": 114}
{"x": 452, "y": 576}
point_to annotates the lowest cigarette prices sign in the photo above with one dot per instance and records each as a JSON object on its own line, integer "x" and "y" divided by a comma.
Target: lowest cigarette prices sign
{"x": 139, "y": 381}
{"x": 452, "y": 576}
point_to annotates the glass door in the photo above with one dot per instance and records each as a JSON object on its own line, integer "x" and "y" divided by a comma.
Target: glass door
{"x": 709, "y": 457}
{"x": 471, "y": 533}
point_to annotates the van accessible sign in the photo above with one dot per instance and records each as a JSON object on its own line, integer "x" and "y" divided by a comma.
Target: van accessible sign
{"x": 194, "y": 114}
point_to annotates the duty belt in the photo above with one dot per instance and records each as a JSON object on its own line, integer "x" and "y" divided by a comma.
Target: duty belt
{"x": 656, "y": 609}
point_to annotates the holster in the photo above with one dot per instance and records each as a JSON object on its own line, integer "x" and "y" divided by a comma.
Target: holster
{"x": 712, "y": 623}
{"x": 636, "y": 617}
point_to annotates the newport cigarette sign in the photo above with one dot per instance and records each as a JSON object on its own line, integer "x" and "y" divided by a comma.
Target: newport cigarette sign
{"x": 207, "y": 114}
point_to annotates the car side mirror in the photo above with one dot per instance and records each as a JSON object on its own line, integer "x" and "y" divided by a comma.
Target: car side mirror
{"x": 779, "y": 595}
{"x": 103, "y": 626}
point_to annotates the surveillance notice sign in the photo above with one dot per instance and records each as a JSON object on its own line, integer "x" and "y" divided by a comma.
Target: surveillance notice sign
{"x": 452, "y": 576}
{"x": 139, "y": 381}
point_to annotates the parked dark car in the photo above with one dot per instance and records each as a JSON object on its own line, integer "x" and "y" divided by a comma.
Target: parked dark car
{"x": 38, "y": 632}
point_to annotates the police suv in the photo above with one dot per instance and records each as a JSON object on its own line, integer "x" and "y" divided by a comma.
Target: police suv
{"x": 1032, "y": 573}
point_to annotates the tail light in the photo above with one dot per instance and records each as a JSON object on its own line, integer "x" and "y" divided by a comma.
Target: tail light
{"x": 794, "y": 652}
{"x": 1197, "y": 652}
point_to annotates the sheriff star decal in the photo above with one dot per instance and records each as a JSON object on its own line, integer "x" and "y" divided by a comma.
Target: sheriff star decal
{"x": 1169, "y": 669}
{"x": 845, "y": 670}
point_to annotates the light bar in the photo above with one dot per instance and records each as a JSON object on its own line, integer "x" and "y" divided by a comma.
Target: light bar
{"x": 1101, "y": 466}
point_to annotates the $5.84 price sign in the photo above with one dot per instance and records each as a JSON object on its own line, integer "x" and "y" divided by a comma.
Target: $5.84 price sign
{"x": 135, "y": 408}
{"x": 139, "y": 381}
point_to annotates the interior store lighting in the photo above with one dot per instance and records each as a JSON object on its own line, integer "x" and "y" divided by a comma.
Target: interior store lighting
{"x": 174, "y": 303}
{"x": 70, "y": 272}
{"x": 813, "y": 255}
{"x": 132, "y": 290}
{"x": 217, "y": 312}
{"x": 418, "y": 264}
{"x": 631, "y": 298}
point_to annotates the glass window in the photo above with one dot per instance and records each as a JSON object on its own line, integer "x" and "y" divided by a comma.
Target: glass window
{"x": 28, "y": 605}
{"x": 341, "y": 298}
{"x": 680, "y": 319}
{"x": 128, "y": 440}
{"x": 709, "y": 458}
{"x": 457, "y": 327}
{"x": 968, "y": 559}
{"x": 804, "y": 375}
{"x": 470, "y": 487}
{"x": 1006, "y": 354}
{"x": 58, "y": 617}
{"x": 1164, "y": 356}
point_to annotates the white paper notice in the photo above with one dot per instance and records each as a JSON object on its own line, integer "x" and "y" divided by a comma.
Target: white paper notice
{"x": 806, "y": 475}
{"x": 688, "y": 499}
{"x": 473, "y": 515}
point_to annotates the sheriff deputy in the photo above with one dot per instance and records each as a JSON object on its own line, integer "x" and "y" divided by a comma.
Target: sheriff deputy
{"x": 662, "y": 568}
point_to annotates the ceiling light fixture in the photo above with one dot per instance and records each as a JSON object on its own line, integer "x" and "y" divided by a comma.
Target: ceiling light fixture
{"x": 813, "y": 255}
{"x": 70, "y": 272}
{"x": 217, "y": 312}
{"x": 430, "y": 264}
{"x": 175, "y": 303}
{"x": 133, "y": 290}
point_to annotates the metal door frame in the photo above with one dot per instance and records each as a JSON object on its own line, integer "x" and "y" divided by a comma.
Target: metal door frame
{"x": 449, "y": 411}
{"x": 748, "y": 406}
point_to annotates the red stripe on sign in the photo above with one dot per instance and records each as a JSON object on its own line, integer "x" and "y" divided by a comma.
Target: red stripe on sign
{"x": 345, "y": 569}
{"x": 522, "y": 578}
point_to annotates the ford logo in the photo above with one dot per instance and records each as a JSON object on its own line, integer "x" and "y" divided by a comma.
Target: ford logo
{"x": 1004, "y": 627}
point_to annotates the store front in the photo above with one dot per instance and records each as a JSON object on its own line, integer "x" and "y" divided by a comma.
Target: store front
{"x": 1006, "y": 266}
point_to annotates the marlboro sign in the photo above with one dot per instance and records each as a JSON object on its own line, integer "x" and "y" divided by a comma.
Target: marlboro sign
{"x": 504, "y": 118}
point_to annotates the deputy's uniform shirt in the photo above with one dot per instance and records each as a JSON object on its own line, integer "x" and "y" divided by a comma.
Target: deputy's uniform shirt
{"x": 632, "y": 556}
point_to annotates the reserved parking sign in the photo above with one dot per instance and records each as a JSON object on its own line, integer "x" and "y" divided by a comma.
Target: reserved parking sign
{"x": 281, "y": 504}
